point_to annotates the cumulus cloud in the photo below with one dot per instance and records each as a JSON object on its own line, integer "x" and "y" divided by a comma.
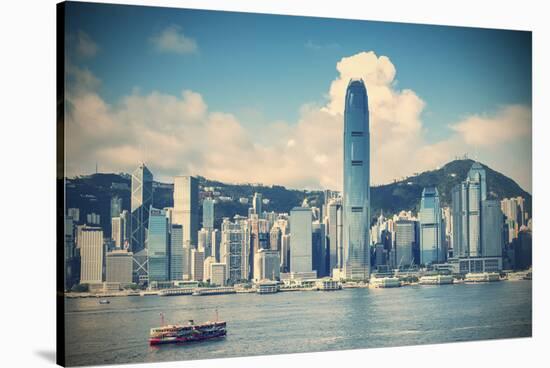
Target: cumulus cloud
{"x": 180, "y": 134}
{"x": 85, "y": 46}
{"x": 508, "y": 124}
{"x": 395, "y": 124}
{"x": 172, "y": 39}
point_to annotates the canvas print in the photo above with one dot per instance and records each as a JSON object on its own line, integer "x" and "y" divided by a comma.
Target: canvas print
{"x": 236, "y": 184}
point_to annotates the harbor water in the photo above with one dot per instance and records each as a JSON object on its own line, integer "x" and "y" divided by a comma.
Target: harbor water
{"x": 303, "y": 321}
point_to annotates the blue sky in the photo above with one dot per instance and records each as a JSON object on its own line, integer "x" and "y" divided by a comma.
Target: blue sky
{"x": 263, "y": 69}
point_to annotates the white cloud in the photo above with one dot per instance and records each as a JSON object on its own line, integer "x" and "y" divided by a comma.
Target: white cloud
{"x": 172, "y": 39}
{"x": 508, "y": 124}
{"x": 181, "y": 135}
{"x": 85, "y": 46}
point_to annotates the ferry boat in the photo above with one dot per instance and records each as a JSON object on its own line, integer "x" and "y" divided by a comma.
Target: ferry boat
{"x": 170, "y": 334}
{"x": 267, "y": 287}
{"x": 482, "y": 277}
{"x": 213, "y": 291}
{"x": 385, "y": 282}
{"x": 104, "y": 301}
{"x": 328, "y": 285}
{"x": 436, "y": 280}
{"x": 176, "y": 292}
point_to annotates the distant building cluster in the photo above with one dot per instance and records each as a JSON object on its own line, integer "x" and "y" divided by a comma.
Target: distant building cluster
{"x": 475, "y": 234}
{"x": 337, "y": 238}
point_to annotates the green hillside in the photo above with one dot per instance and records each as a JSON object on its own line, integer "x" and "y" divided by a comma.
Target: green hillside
{"x": 93, "y": 193}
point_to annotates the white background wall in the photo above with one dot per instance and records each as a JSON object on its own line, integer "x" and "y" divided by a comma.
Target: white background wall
{"x": 27, "y": 142}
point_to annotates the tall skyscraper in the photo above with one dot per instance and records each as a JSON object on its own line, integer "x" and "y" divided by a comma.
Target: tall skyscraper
{"x": 492, "y": 229}
{"x": 141, "y": 201}
{"x": 216, "y": 240}
{"x": 126, "y": 228}
{"x": 91, "y": 255}
{"x": 285, "y": 253}
{"x": 271, "y": 218}
{"x": 208, "y": 213}
{"x": 204, "y": 242}
{"x": 218, "y": 271}
{"x": 116, "y": 206}
{"x": 232, "y": 250}
{"x": 332, "y": 232}
{"x": 448, "y": 228}
{"x": 197, "y": 265}
{"x": 119, "y": 266}
{"x": 478, "y": 225}
{"x": 275, "y": 238}
{"x": 356, "y": 194}
{"x": 186, "y": 208}
{"x": 477, "y": 174}
{"x": 259, "y": 237}
{"x": 257, "y": 204}
{"x": 300, "y": 240}
{"x": 514, "y": 210}
{"x": 117, "y": 231}
{"x": 267, "y": 265}
{"x": 431, "y": 230}
{"x": 157, "y": 246}
{"x": 69, "y": 250}
{"x": 404, "y": 242}
{"x": 319, "y": 252}
{"x": 467, "y": 216}
{"x": 206, "y": 268}
{"x": 177, "y": 257}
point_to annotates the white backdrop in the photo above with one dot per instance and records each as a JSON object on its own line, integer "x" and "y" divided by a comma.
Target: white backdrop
{"x": 28, "y": 180}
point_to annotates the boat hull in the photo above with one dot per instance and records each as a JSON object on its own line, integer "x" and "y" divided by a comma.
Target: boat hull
{"x": 183, "y": 340}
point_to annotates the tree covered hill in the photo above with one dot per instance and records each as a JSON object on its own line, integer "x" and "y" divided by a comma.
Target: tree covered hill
{"x": 93, "y": 193}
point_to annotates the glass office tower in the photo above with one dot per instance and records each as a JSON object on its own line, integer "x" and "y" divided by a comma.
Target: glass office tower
{"x": 141, "y": 201}
{"x": 157, "y": 246}
{"x": 431, "y": 238}
{"x": 356, "y": 194}
{"x": 186, "y": 208}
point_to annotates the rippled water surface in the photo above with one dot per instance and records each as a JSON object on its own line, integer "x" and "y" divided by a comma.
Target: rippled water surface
{"x": 299, "y": 321}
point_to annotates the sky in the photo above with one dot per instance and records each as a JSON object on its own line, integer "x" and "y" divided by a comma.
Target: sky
{"x": 256, "y": 98}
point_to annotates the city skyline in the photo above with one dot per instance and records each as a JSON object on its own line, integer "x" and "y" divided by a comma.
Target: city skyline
{"x": 146, "y": 121}
{"x": 321, "y": 161}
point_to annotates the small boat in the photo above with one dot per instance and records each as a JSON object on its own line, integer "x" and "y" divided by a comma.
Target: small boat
{"x": 104, "y": 301}
{"x": 167, "y": 334}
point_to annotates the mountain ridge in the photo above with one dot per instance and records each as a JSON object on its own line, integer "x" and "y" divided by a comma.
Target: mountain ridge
{"x": 92, "y": 193}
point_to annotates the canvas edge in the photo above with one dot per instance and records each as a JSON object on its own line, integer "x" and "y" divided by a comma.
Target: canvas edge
{"x": 60, "y": 191}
